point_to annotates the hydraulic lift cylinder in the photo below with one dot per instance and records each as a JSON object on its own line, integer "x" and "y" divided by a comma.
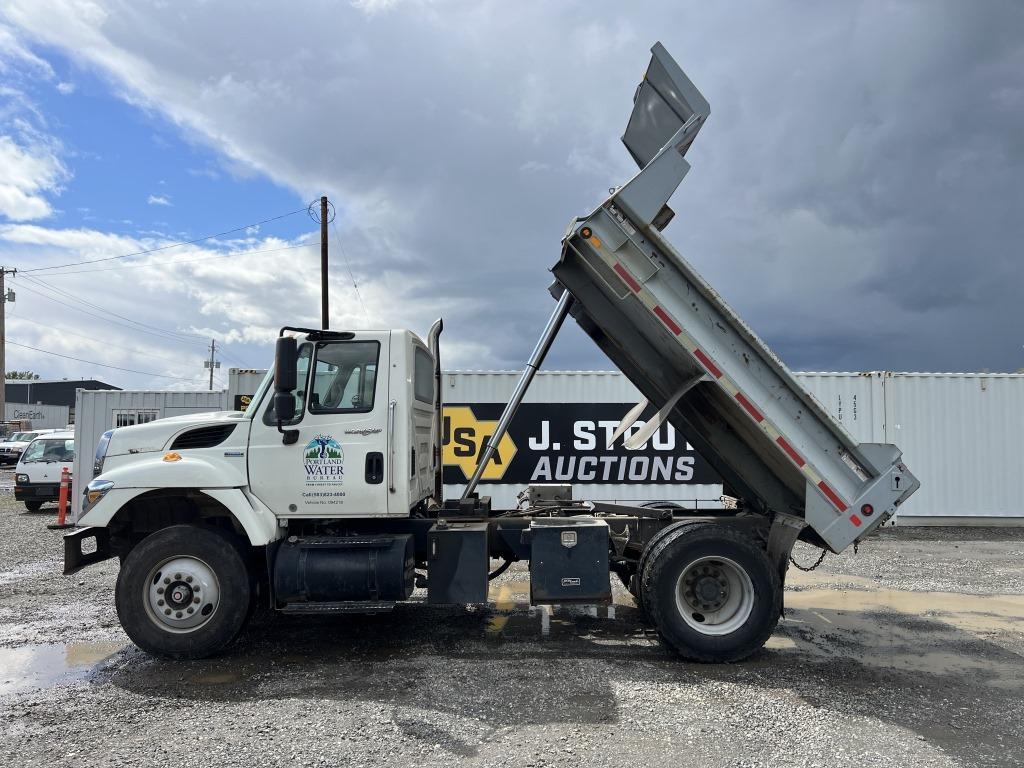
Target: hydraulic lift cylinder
{"x": 536, "y": 360}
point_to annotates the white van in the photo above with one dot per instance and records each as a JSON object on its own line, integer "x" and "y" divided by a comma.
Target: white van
{"x": 37, "y": 477}
{"x": 12, "y": 448}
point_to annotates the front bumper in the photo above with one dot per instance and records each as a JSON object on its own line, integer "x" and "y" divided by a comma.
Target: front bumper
{"x": 75, "y": 559}
{"x": 9, "y": 457}
{"x": 37, "y": 491}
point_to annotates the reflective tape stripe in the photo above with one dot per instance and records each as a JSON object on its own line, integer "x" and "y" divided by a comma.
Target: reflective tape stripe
{"x": 855, "y": 520}
{"x": 706, "y": 362}
{"x": 784, "y": 444}
{"x": 832, "y": 496}
{"x": 627, "y": 278}
{"x": 749, "y": 407}
{"x": 667, "y": 320}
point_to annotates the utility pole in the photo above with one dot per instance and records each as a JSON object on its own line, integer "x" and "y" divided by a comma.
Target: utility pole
{"x": 325, "y": 322}
{"x": 5, "y": 296}
{"x": 212, "y": 363}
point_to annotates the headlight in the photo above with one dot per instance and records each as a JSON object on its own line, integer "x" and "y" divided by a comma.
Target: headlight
{"x": 95, "y": 491}
{"x": 21, "y": 478}
{"x": 101, "y": 452}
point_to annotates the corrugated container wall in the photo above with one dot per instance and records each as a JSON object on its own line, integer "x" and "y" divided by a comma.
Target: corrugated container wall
{"x": 102, "y": 409}
{"x": 961, "y": 434}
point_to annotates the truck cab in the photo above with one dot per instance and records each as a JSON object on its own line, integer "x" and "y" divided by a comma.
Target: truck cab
{"x": 361, "y": 441}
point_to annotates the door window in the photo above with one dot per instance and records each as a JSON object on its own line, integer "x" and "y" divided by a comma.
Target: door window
{"x": 301, "y": 374}
{"x": 345, "y": 377}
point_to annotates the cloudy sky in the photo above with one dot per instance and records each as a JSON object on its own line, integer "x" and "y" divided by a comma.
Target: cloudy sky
{"x": 857, "y": 195}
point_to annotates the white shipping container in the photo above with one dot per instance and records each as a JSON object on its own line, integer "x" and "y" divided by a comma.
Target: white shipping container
{"x": 98, "y": 410}
{"x": 242, "y": 384}
{"x": 961, "y": 435}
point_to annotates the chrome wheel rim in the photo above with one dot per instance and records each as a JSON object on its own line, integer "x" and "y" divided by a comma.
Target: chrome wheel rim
{"x": 714, "y": 595}
{"x": 181, "y": 594}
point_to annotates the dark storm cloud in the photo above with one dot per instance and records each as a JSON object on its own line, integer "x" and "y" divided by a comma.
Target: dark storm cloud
{"x": 856, "y": 193}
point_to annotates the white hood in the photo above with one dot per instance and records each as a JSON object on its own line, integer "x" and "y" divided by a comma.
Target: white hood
{"x": 157, "y": 435}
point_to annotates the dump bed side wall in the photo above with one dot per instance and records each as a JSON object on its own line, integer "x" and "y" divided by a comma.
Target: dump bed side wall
{"x": 664, "y": 327}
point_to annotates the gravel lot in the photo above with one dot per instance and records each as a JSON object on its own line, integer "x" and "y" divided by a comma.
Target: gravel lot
{"x": 906, "y": 654}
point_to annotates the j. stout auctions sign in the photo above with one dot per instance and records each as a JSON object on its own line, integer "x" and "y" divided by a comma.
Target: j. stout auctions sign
{"x": 566, "y": 443}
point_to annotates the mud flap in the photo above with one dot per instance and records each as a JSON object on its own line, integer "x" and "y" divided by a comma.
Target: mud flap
{"x": 75, "y": 559}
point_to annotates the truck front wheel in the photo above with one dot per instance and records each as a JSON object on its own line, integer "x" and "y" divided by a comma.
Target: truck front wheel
{"x": 711, "y": 592}
{"x": 183, "y": 592}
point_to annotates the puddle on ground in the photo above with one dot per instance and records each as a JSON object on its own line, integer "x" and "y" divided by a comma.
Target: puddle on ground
{"x": 946, "y": 633}
{"x": 218, "y": 678}
{"x": 40, "y": 666}
{"x": 939, "y": 633}
{"x": 514, "y": 616}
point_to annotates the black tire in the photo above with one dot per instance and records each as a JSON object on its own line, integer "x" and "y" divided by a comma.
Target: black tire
{"x": 33, "y": 506}
{"x": 215, "y": 550}
{"x": 726, "y": 551}
{"x": 634, "y": 586}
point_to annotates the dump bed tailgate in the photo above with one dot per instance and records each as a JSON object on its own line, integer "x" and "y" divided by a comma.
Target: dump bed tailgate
{"x": 670, "y": 332}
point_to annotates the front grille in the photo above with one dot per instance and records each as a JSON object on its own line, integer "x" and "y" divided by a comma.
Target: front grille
{"x": 203, "y": 437}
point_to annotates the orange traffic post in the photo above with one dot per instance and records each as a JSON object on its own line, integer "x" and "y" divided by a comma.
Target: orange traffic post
{"x": 62, "y": 502}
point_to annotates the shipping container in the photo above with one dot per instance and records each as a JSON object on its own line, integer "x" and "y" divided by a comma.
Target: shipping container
{"x": 961, "y": 433}
{"x": 242, "y": 384}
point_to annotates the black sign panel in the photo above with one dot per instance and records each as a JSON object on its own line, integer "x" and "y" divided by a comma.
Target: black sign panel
{"x": 567, "y": 443}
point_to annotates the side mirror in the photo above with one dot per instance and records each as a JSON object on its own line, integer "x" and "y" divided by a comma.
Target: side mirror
{"x": 284, "y": 406}
{"x": 285, "y": 361}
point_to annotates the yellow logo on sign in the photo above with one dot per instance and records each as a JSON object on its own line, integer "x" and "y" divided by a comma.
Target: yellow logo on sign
{"x": 464, "y": 438}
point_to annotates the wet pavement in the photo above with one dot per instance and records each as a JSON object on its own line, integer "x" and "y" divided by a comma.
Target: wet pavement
{"x": 910, "y": 653}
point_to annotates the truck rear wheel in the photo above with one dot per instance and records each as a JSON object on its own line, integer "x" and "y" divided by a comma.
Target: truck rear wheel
{"x": 183, "y": 592}
{"x": 33, "y": 506}
{"x": 711, "y": 592}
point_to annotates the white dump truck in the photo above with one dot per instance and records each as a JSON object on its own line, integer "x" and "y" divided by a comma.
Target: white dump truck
{"x": 325, "y": 495}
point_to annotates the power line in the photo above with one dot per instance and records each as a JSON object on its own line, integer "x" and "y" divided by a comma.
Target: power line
{"x": 182, "y": 334}
{"x": 101, "y": 365}
{"x": 348, "y": 265}
{"x": 169, "y": 245}
{"x": 59, "y": 329}
{"x": 238, "y": 254}
{"x": 103, "y": 317}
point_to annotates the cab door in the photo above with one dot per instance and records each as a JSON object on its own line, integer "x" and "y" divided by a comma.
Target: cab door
{"x": 337, "y": 466}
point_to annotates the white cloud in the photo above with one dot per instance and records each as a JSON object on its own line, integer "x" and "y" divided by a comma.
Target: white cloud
{"x": 65, "y": 89}
{"x": 31, "y": 168}
{"x": 158, "y": 200}
{"x": 13, "y": 51}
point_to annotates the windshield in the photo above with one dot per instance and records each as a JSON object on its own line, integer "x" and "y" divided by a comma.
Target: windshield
{"x": 268, "y": 380}
{"x": 24, "y": 437}
{"x": 48, "y": 450}
{"x": 13, "y": 437}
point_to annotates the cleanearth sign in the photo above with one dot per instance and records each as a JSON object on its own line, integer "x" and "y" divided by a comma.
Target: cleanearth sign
{"x": 567, "y": 443}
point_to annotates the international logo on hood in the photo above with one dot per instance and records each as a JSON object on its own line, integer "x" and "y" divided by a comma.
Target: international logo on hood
{"x": 324, "y": 461}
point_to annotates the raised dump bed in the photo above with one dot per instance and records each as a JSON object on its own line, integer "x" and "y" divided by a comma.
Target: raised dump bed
{"x": 691, "y": 355}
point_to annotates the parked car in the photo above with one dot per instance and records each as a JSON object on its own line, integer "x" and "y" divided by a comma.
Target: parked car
{"x": 37, "y": 478}
{"x": 12, "y": 448}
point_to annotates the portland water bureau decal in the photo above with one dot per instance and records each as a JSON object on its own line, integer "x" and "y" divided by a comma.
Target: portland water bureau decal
{"x": 324, "y": 461}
